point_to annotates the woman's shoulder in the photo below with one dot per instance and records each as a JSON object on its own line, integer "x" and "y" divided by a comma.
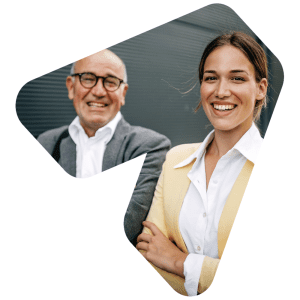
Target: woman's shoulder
{"x": 181, "y": 152}
{"x": 184, "y": 148}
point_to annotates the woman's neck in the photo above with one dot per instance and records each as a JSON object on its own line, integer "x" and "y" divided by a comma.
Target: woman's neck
{"x": 225, "y": 140}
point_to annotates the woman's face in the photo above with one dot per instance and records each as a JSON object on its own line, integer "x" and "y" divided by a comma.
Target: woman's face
{"x": 229, "y": 90}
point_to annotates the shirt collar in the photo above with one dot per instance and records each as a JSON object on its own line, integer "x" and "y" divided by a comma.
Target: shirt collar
{"x": 200, "y": 151}
{"x": 75, "y": 129}
{"x": 248, "y": 145}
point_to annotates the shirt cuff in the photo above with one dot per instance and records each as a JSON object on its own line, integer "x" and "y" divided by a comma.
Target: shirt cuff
{"x": 192, "y": 269}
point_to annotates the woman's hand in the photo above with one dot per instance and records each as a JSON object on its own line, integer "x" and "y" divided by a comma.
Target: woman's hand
{"x": 160, "y": 251}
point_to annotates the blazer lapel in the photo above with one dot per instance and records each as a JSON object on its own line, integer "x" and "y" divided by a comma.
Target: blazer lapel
{"x": 68, "y": 156}
{"x": 232, "y": 205}
{"x": 110, "y": 158}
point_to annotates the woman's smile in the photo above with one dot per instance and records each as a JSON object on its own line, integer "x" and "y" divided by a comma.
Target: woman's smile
{"x": 229, "y": 89}
{"x": 223, "y": 107}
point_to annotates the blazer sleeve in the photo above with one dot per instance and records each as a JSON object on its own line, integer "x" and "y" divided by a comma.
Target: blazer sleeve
{"x": 156, "y": 147}
{"x": 50, "y": 137}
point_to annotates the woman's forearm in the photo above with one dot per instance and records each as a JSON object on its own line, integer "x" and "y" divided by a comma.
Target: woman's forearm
{"x": 160, "y": 251}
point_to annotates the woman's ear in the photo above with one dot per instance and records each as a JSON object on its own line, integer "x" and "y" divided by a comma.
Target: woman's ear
{"x": 262, "y": 89}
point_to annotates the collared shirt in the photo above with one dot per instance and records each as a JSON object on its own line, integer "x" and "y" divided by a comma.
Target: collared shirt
{"x": 202, "y": 208}
{"x": 90, "y": 150}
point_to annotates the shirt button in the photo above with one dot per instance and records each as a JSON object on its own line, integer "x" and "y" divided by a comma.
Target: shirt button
{"x": 198, "y": 248}
{"x": 204, "y": 215}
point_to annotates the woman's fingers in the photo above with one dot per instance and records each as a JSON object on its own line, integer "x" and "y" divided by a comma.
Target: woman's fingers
{"x": 152, "y": 227}
{"x": 142, "y": 246}
{"x": 144, "y": 237}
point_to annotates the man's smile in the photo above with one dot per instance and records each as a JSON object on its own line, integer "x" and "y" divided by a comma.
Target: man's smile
{"x": 96, "y": 104}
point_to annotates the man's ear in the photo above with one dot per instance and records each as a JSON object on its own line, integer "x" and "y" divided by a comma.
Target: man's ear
{"x": 262, "y": 89}
{"x": 70, "y": 87}
{"x": 124, "y": 93}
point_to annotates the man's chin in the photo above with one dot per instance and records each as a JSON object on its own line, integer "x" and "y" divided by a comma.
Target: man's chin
{"x": 98, "y": 123}
{"x": 92, "y": 125}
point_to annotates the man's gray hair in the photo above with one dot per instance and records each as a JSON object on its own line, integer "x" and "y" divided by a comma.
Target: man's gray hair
{"x": 72, "y": 71}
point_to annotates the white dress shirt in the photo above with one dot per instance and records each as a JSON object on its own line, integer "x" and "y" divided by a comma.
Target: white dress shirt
{"x": 202, "y": 208}
{"x": 90, "y": 150}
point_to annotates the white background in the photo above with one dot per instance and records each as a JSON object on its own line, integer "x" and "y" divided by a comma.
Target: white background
{"x": 63, "y": 238}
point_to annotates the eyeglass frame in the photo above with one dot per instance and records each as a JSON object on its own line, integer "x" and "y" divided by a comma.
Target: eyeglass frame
{"x": 97, "y": 78}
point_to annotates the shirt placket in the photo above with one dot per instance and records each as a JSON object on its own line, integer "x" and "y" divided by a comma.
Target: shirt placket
{"x": 201, "y": 224}
{"x": 88, "y": 162}
{"x": 213, "y": 193}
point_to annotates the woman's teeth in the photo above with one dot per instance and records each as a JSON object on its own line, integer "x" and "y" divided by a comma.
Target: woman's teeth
{"x": 223, "y": 107}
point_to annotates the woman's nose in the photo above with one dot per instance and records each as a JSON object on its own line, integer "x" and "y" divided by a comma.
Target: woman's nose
{"x": 222, "y": 89}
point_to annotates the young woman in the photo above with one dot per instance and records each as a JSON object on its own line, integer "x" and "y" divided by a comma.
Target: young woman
{"x": 201, "y": 185}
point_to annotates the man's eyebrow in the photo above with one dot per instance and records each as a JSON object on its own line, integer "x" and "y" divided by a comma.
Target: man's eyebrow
{"x": 110, "y": 75}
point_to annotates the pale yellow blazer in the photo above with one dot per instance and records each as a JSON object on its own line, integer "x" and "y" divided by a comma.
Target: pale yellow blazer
{"x": 170, "y": 191}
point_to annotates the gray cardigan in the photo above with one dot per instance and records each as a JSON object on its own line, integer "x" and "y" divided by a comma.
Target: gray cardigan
{"x": 127, "y": 143}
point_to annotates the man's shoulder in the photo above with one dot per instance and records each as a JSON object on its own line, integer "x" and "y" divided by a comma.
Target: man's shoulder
{"x": 145, "y": 132}
{"x": 141, "y": 134}
{"x": 56, "y": 132}
{"x": 49, "y": 137}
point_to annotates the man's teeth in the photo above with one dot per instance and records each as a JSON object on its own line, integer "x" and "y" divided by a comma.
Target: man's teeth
{"x": 223, "y": 107}
{"x": 96, "y": 104}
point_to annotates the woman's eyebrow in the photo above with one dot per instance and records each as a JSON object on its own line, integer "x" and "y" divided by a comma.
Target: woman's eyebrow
{"x": 232, "y": 71}
{"x": 210, "y": 71}
{"x": 238, "y": 71}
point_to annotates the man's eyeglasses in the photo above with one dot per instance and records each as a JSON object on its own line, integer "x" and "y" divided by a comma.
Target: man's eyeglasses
{"x": 89, "y": 80}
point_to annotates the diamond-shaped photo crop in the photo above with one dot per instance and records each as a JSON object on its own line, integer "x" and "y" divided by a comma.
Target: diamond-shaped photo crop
{"x": 204, "y": 85}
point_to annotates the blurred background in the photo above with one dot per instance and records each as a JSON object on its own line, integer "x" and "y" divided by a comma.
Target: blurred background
{"x": 164, "y": 89}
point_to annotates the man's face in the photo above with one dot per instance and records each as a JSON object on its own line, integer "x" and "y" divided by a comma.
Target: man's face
{"x": 96, "y": 106}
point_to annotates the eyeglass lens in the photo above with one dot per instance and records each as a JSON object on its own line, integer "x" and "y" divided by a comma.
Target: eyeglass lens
{"x": 109, "y": 83}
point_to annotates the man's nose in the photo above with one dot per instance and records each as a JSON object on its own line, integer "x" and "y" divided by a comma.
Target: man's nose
{"x": 98, "y": 90}
{"x": 222, "y": 89}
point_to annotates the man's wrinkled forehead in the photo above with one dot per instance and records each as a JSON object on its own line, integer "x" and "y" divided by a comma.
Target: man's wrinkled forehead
{"x": 96, "y": 61}
{"x": 104, "y": 56}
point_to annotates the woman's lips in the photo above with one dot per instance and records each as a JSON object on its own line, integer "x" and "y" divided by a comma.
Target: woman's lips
{"x": 223, "y": 107}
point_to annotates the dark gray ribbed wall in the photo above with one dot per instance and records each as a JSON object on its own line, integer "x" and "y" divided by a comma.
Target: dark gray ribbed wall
{"x": 162, "y": 67}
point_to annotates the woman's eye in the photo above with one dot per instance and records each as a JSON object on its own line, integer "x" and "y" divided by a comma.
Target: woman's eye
{"x": 210, "y": 78}
{"x": 238, "y": 79}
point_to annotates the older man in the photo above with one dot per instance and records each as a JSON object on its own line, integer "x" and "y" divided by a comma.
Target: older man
{"x": 99, "y": 138}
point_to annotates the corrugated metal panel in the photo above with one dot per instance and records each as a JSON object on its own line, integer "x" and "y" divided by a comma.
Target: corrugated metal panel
{"x": 43, "y": 103}
{"x": 161, "y": 64}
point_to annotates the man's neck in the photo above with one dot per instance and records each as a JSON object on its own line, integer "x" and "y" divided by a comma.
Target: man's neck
{"x": 91, "y": 129}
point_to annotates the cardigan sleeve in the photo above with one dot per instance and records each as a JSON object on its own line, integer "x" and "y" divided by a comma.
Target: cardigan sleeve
{"x": 208, "y": 272}
{"x": 156, "y": 213}
{"x": 156, "y": 216}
